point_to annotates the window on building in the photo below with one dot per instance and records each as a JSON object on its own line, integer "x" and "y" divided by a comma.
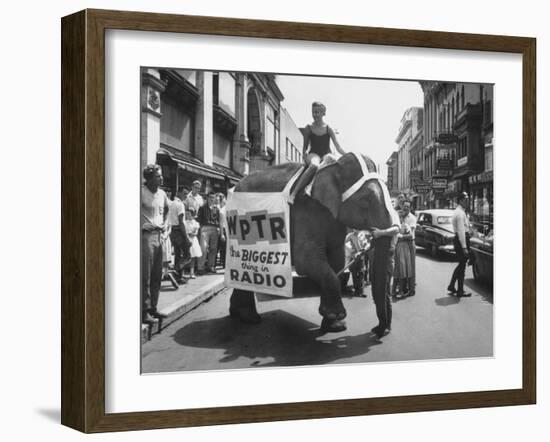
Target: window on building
{"x": 176, "y": 124}
{"x": 455, "y": 110}
{"x": 215, "y": 87}
{"x": 223, "y": 91}
{"x": 190, "y": 76}
{"x": 269, "y": 127}
{"x": 462, "y": 98}
{"x": 489, "y": 158}
{"x": 222, "y": 149}
{"x": 288, "y": 147}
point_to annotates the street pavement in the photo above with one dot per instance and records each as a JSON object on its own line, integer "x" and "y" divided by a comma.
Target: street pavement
{"x": 430, "y": 325}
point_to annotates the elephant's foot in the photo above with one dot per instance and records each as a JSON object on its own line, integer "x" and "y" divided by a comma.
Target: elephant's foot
{"x": 245, "y": 316}
{"x": 332, "y": 326}
{"x": 333, "y": 313}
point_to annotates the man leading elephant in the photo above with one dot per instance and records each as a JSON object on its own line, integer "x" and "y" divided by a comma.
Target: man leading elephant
{"x": 382, "y": 240}
{"x": 346, "y": 193}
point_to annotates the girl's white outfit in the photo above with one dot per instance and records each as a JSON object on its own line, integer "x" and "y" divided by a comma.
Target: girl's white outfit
{"x": 192, "y": 227}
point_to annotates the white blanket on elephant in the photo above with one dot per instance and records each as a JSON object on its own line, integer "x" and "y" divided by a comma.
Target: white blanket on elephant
{"x": 258, "y": 242}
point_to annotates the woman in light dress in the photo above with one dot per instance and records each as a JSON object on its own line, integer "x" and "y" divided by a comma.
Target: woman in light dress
{"x": 192, "y": 227}
{"x": 403, "y": 259}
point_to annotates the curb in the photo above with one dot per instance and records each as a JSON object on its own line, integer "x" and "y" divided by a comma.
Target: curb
{"x": 179, "y": 308}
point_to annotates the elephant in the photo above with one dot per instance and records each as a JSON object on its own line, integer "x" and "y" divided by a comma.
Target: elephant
{"x": 318, "y": 226}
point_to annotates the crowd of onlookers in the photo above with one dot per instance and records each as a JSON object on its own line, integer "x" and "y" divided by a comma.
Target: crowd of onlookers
{"x": 182, "y": 234}
{"x": 198, "y": 238}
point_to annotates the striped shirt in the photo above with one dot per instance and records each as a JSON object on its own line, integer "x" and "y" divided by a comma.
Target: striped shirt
{"x": 209, "y": 216}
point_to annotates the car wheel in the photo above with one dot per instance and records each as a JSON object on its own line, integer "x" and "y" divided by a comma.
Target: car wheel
{"x": 434, "y": 251}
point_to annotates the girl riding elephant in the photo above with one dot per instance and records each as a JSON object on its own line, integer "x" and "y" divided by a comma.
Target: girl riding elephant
{"x": 317, "y": 150}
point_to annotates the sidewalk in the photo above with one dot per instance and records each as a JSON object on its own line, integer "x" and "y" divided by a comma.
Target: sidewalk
{"x": 174, "y": 303}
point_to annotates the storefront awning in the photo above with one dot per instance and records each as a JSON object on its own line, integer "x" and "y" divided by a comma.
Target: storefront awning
{"x": 191, "y": 164}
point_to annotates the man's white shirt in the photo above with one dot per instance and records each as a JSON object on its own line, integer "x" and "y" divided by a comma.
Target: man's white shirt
{"x": 461, "y": 224}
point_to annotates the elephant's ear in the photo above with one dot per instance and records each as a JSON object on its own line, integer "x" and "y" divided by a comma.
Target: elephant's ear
{"x": 327, "y": 188}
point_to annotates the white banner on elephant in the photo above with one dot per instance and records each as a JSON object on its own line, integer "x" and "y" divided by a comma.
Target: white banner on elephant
{"x": 258, "y": 243}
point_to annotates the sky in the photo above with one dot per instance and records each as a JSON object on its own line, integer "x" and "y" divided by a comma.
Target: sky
{"x": 366, "y": 113}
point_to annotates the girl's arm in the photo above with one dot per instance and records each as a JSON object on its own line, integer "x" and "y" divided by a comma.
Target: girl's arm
{"x": 335, "y": 141}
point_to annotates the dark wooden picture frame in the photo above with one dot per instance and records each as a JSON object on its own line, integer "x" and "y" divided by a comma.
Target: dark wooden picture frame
{"x": 83, "y": 220}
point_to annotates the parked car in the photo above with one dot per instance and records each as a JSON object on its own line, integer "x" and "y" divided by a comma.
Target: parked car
{"x": 481, "y": 251}
{"x": 434, "y": 231}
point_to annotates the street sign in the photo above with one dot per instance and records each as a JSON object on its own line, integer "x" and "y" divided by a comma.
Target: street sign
{"x": 447, "y": 138}
{"x": 439, "y": 183}
{"x": 423, "y": 186}
{"x": 422, "y": 189}
{"x": 483, "y": 177}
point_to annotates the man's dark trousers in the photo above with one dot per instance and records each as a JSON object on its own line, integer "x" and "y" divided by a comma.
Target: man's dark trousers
{"x": 381, "y": 298}
{"x": 458, "y": 274}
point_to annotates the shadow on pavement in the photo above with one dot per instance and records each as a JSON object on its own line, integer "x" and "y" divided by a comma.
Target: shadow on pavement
{"x": 447, "y": 300}
{"x": 281, "y": 338}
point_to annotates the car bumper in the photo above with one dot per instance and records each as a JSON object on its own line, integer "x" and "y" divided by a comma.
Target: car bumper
{"x": 447, "y": 248}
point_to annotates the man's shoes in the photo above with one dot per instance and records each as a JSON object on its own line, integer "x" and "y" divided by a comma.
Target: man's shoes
{"x": 149, "y": 319}
{"x": 463, "y": 294}
{"x": 380, "y": 331}
{"x": 451, "y": 289}
{"x": 359, "y": 293}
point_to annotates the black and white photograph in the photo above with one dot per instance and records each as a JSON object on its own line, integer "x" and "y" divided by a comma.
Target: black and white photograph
{"x": 301, "y": 220}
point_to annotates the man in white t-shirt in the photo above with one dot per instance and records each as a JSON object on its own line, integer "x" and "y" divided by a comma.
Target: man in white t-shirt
{"x": 178, "y": 236}
{"x": 154, "y": 211}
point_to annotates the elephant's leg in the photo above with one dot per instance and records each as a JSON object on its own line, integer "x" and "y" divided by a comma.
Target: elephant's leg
{"x": 336, "y": 260}
{"x": 331, "y": 306}
{"x": 381, "y": 298}
{"x": 242, "y": 306}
